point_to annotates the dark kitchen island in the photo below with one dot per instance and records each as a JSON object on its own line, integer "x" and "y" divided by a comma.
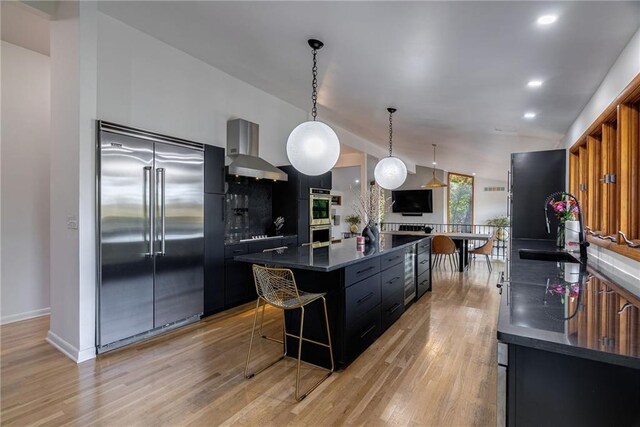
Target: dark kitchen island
{"x": 365, "y": 290}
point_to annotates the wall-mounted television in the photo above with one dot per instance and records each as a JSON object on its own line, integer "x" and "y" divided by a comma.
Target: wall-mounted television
{"x": 412, "y": 201}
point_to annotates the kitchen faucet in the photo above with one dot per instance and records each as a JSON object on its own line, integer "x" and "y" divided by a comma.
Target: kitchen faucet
{"x": 581, "y": 234}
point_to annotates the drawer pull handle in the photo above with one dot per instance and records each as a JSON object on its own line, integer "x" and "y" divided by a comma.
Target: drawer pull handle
{"x": 365, "y": 298}
{"x": 235, "y": 251}
{"x": 424, "y": 261}
{"x": 365, "y": 270}
{"x": 367, "y": 331}
{"x": 393, "y": 280}
{"x": 391, "y": 259}
{"x": 393, "y": 308}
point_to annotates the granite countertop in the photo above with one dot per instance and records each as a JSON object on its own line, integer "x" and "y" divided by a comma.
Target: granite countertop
{"x": 329, "y": 258}
{"x": 236, "y": 241}
{"x": 580, "y": 310}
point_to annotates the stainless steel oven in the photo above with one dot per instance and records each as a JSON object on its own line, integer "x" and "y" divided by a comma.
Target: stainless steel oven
{"x": 320, "y": 235}
{"x": 319, "y": 207}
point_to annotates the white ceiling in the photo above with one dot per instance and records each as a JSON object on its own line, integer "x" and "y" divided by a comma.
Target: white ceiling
{"x": 456, "y": 71}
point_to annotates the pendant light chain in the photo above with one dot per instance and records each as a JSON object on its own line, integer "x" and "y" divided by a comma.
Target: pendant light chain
{"x": 390, "y": 133}
{"x": 314, "y": 85}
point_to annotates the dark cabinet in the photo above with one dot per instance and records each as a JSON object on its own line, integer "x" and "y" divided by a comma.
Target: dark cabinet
{"x": 320, "y": 181}
{"x": 213, "y": 253}
{"x": 423, "y": 268}
{"x": 214, "y": 212}
{"x": 535, "y": 176}
{"x": 238, "y": 282}
{"x": 291, "y": 200}
{"x": 214, "y": 172}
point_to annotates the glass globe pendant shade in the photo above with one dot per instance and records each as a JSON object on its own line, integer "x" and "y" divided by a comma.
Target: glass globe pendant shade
{"x": 313, "y": 148}
{"x": 390, "y": 173}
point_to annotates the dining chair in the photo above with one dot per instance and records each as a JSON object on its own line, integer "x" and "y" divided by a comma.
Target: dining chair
{"x": 443, "y": 246}
{"x": 277, "y": 287}
{"x": 485, "y": 250}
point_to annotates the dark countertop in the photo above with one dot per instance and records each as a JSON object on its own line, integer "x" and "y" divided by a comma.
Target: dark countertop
{"x": 237, "y": 241}
{"x": 590, "y": 311}
{"x": 333, "y": 257}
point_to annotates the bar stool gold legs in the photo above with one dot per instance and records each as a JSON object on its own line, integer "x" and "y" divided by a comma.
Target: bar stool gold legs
{"x": 280, "y": 286}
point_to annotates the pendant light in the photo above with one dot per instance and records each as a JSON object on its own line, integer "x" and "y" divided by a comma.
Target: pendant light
{"x": 434, "y": 182}
{"x": 390, "y": 172}
{"x": 313, "y": 147}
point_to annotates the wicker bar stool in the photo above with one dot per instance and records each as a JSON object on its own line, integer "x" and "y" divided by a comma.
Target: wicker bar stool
{"x": 277, "y": 287}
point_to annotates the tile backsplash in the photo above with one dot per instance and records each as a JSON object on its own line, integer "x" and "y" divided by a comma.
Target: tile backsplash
{"x": 248, "y": 208}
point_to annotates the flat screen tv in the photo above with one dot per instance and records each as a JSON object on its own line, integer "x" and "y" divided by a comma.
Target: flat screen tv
{"x": 412, "y": 201}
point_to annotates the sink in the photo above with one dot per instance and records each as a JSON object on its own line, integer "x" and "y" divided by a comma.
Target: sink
{"x": 541, "y": 255}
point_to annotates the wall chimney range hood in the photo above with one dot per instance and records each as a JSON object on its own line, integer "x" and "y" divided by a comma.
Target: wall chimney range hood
{"x": 243, "y": 150}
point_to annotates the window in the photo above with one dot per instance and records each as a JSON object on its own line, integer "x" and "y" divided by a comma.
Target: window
{"x": 460, "y": 199}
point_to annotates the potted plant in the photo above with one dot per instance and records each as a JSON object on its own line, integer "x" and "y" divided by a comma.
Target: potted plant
{"x": 501, "y": 222}
{"x": 353, "y": 221}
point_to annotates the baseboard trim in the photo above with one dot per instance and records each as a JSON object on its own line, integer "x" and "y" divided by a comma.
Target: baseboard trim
{"x": 69, "y": 350}
{"x": 25, "y": 315}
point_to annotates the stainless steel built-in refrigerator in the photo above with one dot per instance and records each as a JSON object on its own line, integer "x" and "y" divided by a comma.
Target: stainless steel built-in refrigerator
{"x": 151, "y": 233}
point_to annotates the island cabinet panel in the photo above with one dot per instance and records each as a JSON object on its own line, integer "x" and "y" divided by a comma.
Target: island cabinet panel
{"x": 362, "y": 297}
{"x": 361, "y": 334}
{"x": 361, "y": 270}
{"x": 389, "y": 260}
{"x": 392, "y": 305}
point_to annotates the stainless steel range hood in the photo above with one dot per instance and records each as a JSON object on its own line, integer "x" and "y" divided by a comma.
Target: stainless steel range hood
{"x": 243, "y": 151}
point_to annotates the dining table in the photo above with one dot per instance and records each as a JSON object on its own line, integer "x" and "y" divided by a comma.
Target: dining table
{"x": 460, "y": 239}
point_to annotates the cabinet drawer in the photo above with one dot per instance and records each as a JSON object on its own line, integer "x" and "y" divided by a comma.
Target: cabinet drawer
{"x": 424, "y": 246}
{"x": 392, "y": 282}
{"x": 361, "y": 270}
{"x": 362, "y": 297}
{"x": 266, "y": 244}
{"x": 389, "y": 260}
{"x": 423, "y": 263}
{"x": 423, "y": 283}
{"x": 236, "y": 249}
{"x": 362, "y": 333}
{"x": 391, "y": 310}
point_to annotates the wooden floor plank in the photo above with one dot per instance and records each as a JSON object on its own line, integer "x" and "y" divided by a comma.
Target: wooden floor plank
{"x": 435, "y": 366}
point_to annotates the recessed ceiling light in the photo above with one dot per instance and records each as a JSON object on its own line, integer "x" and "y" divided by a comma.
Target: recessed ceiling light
{"x": 474, "y": 174}
{"x": 433, "y": 163}
{"x": 357, "y": 181}
{"x": 529, "y": 115}
{"x": 534, "y": 83}
{"x": 547, "y": 19}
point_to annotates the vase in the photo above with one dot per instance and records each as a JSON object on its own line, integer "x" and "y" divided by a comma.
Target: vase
{"x": 560, "y": 236}
{"x": 370, "y": 234}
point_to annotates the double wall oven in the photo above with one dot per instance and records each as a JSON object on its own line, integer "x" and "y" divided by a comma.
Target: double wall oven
{"x": 320, "y": 217}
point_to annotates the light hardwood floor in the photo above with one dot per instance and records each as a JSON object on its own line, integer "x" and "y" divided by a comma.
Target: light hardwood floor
{"x": 436, "y": 366}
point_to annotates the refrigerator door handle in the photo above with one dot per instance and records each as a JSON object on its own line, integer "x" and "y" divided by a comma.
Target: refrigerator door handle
{"x": 149, "y": 210}
{"x": 160, "y": 173}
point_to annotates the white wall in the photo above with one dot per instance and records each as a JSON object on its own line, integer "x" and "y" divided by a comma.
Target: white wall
{"x": 626, "y": 67}
{"x": 413, "y": 182}
{"x": 343, "y": 182}
{"x": 24, "y": 228}
{"x": 488, "y": 204}
{"x": 145, "y": 83}
{"x": 72, "y": 191}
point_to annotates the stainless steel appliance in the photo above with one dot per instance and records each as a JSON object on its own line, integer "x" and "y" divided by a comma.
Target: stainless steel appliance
{"x": 320, "y": 235}
{"x": 151, "y": 233}
{"x": 319, "y": 207}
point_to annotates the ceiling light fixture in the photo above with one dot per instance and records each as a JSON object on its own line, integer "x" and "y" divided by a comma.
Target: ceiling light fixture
{"x": 434, "y": 182}
{"x": 390, "y": 172}
{"x": 534, "y": 83}
{"x": 529, "y": 115}
{"x": 313, "y": 147}
{"x": 547, "y": 19}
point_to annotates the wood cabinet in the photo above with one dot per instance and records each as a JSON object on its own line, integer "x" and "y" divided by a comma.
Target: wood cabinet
{"x": 604, "y": 173}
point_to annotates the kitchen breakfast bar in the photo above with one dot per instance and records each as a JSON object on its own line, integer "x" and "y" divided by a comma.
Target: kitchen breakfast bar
{"x": 366, "y": 290}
